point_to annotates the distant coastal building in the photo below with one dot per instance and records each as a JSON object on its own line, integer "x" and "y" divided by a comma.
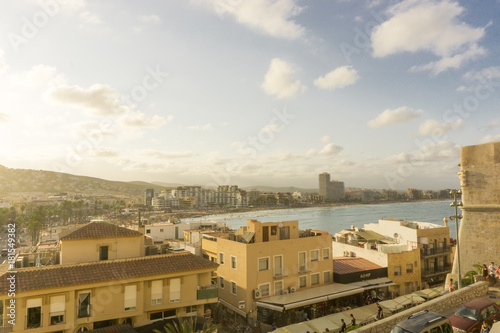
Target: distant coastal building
{"x": 480, "y": 227}
{"x": 330, "y": 189}
{"x": 150, "y": 194}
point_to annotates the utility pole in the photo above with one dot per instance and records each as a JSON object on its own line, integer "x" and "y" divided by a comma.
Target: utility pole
{"x": 455, "y": 218}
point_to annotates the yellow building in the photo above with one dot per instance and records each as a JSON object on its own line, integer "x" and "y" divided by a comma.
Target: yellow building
{"x": 97, "y": 241}
{"x": 79, "y": 297}
{"x": 272, "y": 266}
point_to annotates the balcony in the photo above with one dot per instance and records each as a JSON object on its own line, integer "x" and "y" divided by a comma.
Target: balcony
{"x": 436, "y": 271}
{"x": 33, "y": 321}
{"x": 278, "y": 274}
{"x": 57, "y": 318}
{"x": 206, "y": 293}
{"x": 435, "y": 251}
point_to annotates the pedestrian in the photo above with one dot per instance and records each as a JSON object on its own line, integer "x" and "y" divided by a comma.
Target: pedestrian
{"x": 492, "y": 269}
{"x": 273, "y": 327}
{"x": 451, "y": 287}
{"x": 380, "y": 312}
{"x": 327, "y": 330}
{"x": 353, "y": 321}
{"x": 343, "y": 326}
{"x": 485, "y": 328}
{"x": 485, "y": 272}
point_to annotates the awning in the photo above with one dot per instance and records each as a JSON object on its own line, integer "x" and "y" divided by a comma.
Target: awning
{"x": 232, "y": 307}
{"x": 269, "y": 306}
{"x": 430, "y": 293}
{"x": 308, "y": 296}
{"x": 247, "y": 236}
{"x": 374, "y": 283}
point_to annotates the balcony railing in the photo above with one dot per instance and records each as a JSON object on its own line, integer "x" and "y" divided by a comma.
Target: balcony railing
{"x": 277, "y": 274}
{"x": 437, "y": 270}
{"x": 435, "y": 251}
{"x": 207, "y": 293}
{"x": 57, "y": 318}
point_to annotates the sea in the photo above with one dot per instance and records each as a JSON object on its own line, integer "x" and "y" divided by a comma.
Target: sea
{"x": 334, "y": 219}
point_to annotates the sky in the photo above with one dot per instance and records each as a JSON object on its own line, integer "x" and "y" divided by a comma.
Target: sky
{"x": 380, "y": 94}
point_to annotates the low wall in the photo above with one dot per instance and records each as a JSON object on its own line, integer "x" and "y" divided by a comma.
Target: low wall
{"x": 439, "y": 305}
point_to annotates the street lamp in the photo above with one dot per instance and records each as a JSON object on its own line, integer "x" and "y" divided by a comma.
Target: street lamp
{"x": 455, "y": 218}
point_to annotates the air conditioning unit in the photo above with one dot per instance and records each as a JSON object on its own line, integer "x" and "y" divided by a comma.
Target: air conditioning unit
{"x": 346, "y": 253}
{"x": 292, "y": 290}
{"x": 257, "y": 294}
{"x": 241, "y": 305}
{"x": 353, "y": 254}
{"x": 285, "y": 292}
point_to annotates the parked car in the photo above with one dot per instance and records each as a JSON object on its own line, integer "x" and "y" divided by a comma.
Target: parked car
{"x": 423, "y": 322}
{"x": 471, "y": 315}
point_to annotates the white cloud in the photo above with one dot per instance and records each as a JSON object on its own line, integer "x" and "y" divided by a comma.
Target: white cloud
{"x": 270, "y": 128}
{"x": 204, "y": 128}
{"x": 486, "y": 73}
{"x": 433, "y": 127}
{"x": 152, "y": 19}
{"x": 101, "y": 99}
{"x": 39, "y": 75}
{"x": 338, "y": 78}
{"x": 139, "y": 119}
{"x": 326, "y": 139}
{"x": 4, "y": 117}
{"x": 89, "y": 18}
{"x": 104, "y": 152}
{"x": 271, "y": 17}
{"x": 278, "y": 80}
{"x": 168, "y": 154}
{"x": 395, "y": 116}
{"x": 330, "y": 149}
{"x": 490, "y": 138}
{"x": 432, "y": 26}
{"x": 3, "y": 65}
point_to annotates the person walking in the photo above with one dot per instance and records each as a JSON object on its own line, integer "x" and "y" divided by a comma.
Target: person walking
{"x": 485, "y": 272}
{"x": 380, "y": 312}
{"x": 353, "y": 321}
{"x": 451, "y": 286}
{"x": 485, "y": 328}
{"x": 343, "y": 326}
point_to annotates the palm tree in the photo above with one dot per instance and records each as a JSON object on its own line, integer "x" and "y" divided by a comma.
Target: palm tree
{"x": 188, "y": 326}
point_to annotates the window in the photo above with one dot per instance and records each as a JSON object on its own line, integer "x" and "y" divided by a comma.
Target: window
{"x": 162, "y": 314}
{"x": 314, "y": 255}
{"x": 148, "y": 231}
{"x": 264, "y": 289}
{"x": 273, "y": 230}
{"x": 193, "y": 309}
{"x": 285, "y": 233}
{"x": 34, "y": 313}
{"x": 130, "y": 301}
{"x": 302, "y": 281}
{"x": 221, "y": 258}
{"x": 221, "y": 282}
{"x": 326, "y": 277}
{"x": 233, "y": 262}
{"x": 84, "y": 304}
{"x": 409, "y": 268}
{"x": 397, "y": 270}
{"x": 278, "y": 287}
{"x": 156, "y": 292}
{"x": 103, "y": 253}
{"x": 234, "y": 288}
{"x": 278, "y": 266}
{"x": 493, "y": 310}
{"x": 1, "y": 313}
{"x": 161, "y": 230}
{"x": 302, "y": 261}
{"x": 326, "y": 254}
{"x": 175, "y": 290}
{"x": 57, "y": 309}
{"x": 263, "y": 264}
{"x": 436, "y": 329}
{"x": 314, "y": 279}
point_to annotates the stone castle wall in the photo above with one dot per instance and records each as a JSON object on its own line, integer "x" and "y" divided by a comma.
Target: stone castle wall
{"x": 479, "y": 233}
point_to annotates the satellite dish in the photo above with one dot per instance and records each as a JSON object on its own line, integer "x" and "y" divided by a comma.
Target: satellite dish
{"x": 280, "y": 225}
{"x": 396, "y": 235}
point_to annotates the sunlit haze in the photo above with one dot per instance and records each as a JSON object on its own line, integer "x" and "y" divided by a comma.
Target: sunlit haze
{"x": 380, "y": 94}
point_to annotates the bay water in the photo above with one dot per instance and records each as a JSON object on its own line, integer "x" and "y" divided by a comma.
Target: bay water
{"x": 334, "y": 219}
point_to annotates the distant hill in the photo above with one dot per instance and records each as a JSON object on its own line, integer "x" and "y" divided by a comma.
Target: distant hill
{"x": 27, "y": 180}
{"x": 281, "y": 189}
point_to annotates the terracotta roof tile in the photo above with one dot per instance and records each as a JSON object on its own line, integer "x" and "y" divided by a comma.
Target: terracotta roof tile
{"x": 346, "y": 265}
{"x": 35, "y": 278}
{"x": 98, "y": 230}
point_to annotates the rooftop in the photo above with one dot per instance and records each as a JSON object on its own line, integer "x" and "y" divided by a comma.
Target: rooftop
{"x": 346, "y": 265}
{"x": 98, "y": 230}
{"x": 55, "y": 276}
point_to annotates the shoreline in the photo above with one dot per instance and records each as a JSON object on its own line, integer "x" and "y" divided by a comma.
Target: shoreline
{"x": 200, "y": 214}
